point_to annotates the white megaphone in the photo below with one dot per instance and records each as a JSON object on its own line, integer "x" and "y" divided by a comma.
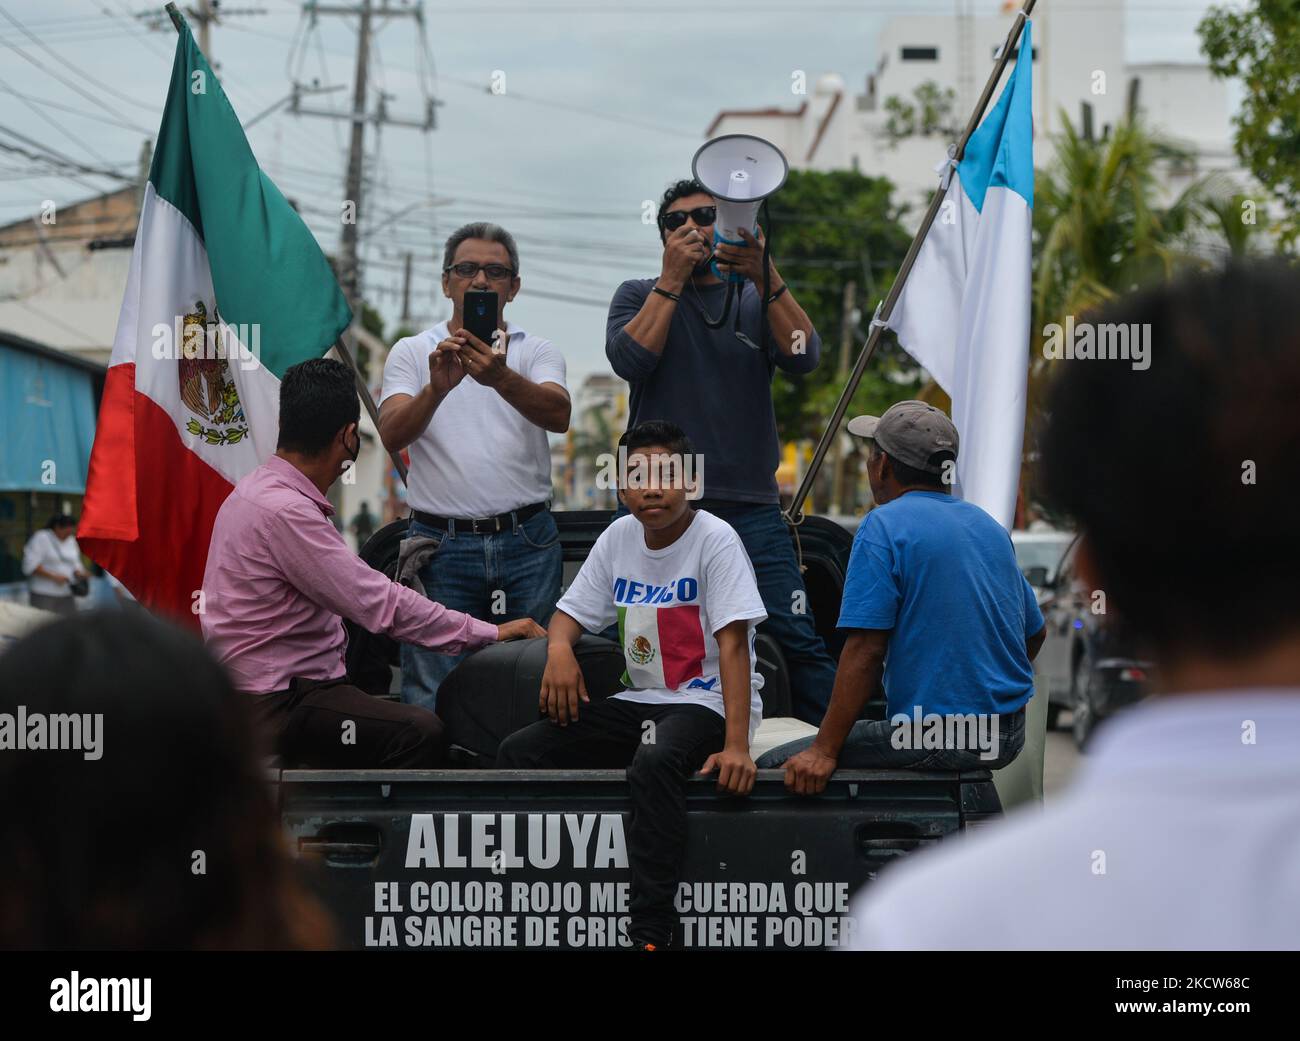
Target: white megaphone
{"x": 739, "y": 171}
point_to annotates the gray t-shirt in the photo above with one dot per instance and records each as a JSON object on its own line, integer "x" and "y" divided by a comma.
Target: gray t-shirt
{"x": 710, "y": 384}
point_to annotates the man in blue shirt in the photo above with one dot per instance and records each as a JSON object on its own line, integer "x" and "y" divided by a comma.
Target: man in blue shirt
{"x": 935, "y": 601}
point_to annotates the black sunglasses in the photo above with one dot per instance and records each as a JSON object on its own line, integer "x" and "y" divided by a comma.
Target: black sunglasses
{"x": 468, "y": 269}
{"x": 702, "y": 215}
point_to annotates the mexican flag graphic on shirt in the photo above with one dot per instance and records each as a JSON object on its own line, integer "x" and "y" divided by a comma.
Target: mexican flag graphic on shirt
{"x": 663, "y": 646}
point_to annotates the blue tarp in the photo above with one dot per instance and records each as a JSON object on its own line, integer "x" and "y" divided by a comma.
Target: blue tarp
{"x": 47, "y": 423}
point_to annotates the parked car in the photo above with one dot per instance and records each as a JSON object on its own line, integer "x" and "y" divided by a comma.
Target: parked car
{"x": 1087, "y": 663}
{"x": 1038, "y": 555}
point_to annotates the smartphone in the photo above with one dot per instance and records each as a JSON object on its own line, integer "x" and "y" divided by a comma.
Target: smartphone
{"x": 481, "y": 314}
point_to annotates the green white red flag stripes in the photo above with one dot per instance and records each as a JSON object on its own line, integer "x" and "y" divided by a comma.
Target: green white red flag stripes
{"x": 663, "y": 647}
{"x": 227, "y": 289}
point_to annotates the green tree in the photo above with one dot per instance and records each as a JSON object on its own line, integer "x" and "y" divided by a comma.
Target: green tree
{"x": 1101, "y": 228}
{"x": 590, "y": 438}
{"x": 1261, "y": 45}
{"x": 930, "y": 113}
{"x": 1230, "y": 214}
{"x": 829, "y": 229}
{"x": 372, "y": 321}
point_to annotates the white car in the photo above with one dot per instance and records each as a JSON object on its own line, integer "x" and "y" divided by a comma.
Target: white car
{"x": 1039, "y": 555}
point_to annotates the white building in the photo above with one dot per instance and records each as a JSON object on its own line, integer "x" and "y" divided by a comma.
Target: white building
{"x": 63, "y": 271}
{"x": 1079, "y": 57}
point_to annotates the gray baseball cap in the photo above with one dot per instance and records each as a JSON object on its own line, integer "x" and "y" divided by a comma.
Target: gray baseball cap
{"x": 910, "y": 431}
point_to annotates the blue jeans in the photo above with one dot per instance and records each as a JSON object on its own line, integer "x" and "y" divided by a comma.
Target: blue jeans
{"x": 871, "y": 744}
{"x": 497, "y": 578}
{"x": 766, "y": 539}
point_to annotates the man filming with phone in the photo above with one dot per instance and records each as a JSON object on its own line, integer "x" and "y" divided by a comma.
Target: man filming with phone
{"x": 473, "y": 398}
{"x": 716, "y": 384}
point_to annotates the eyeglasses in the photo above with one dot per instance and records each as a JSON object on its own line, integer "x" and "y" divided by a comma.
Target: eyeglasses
{"x": 468, "y": 269}
{"x": 702, "y": 215}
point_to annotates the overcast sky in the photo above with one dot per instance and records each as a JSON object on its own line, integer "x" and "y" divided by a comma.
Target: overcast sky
{"x": 603, "y": 104}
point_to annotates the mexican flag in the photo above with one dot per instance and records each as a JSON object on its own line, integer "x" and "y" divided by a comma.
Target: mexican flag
{"x": 227, "y": 289}
{"x": 663, "y": 647}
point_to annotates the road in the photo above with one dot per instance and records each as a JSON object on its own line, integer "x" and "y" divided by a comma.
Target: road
{"x": 1060, "y": 759}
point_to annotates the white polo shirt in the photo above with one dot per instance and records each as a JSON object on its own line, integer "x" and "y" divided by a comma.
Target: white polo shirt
{"x": 478, "y": 456}
{"x": 63, "y": 557}
{"x": 1181, "y": 831}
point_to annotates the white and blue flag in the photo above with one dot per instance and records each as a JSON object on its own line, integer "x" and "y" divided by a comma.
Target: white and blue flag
{"x": 965, "y": 309}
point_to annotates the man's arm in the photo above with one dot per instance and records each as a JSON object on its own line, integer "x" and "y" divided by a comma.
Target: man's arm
{"x": 856, "y": 679}
{"x": 1033, "y": 619}
{"x": 683, "y": 249}
{"x": 637, "y": 333}
{"x": 562, "y": 683}
{"x": 543, "y": 404}
{"x": 403, "y": 417}
{"x": 313, "y": 558}
{"x": 791, "y": 328}
{"x": 736, "y": 770}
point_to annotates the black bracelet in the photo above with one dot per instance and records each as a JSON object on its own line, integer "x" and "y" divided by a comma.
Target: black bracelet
{"x": 773, "y": 297}
{"x": 664, "y": 292}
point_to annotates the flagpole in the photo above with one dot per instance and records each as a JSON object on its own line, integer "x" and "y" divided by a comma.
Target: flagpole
{"x": 362, "y": 390}
{"x": 794, "y": 515}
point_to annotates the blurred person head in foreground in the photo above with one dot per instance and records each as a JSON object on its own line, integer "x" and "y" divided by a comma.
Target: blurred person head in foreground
{"x": 1182, "y": 481}
{"x": 157, "y": 831}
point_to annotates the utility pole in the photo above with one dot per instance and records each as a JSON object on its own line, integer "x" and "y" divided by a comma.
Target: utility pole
{"x": 354, "y": 187}
{"x": 348, "y": 242}
{"x": 406, "y": 292}
{"x": 204, "y": 14}
{"x": 143, "y": 165}
{"x": 846, "y": 346}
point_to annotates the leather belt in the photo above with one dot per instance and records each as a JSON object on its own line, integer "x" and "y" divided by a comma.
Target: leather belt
{"x": 480, "y": 525}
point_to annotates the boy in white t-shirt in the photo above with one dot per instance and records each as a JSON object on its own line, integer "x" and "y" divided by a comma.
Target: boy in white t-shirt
{"x": 683, "y": 592}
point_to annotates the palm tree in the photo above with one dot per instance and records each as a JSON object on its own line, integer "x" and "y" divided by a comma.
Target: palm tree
{"x": 1099, "y": 227}
{"x": 592, "y": 438}
{"x": 1224, "y": 210}
{"x": 1101, "y": 230}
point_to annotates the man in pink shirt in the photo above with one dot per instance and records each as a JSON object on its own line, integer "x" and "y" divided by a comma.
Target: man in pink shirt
{"x": 280, "y": 579}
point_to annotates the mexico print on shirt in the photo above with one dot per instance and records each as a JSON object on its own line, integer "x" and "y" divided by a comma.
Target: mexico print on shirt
{"x": 661, "y": 634}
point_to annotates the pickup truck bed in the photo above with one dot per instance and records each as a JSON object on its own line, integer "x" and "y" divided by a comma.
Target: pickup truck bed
{"x": 481, "y": 858}
{"x": 495, "y": 859}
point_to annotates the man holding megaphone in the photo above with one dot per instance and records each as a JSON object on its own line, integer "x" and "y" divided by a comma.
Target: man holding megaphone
{"x": 713, "y": 377}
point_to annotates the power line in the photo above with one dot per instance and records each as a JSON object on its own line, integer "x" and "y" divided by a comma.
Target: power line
{"x": 72, "y": 85}
{"x": 32, "y": 104}
{"x": 46, "y": 154}
{"x": 481, "y": 88}
{"x": 97, "y": 117}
